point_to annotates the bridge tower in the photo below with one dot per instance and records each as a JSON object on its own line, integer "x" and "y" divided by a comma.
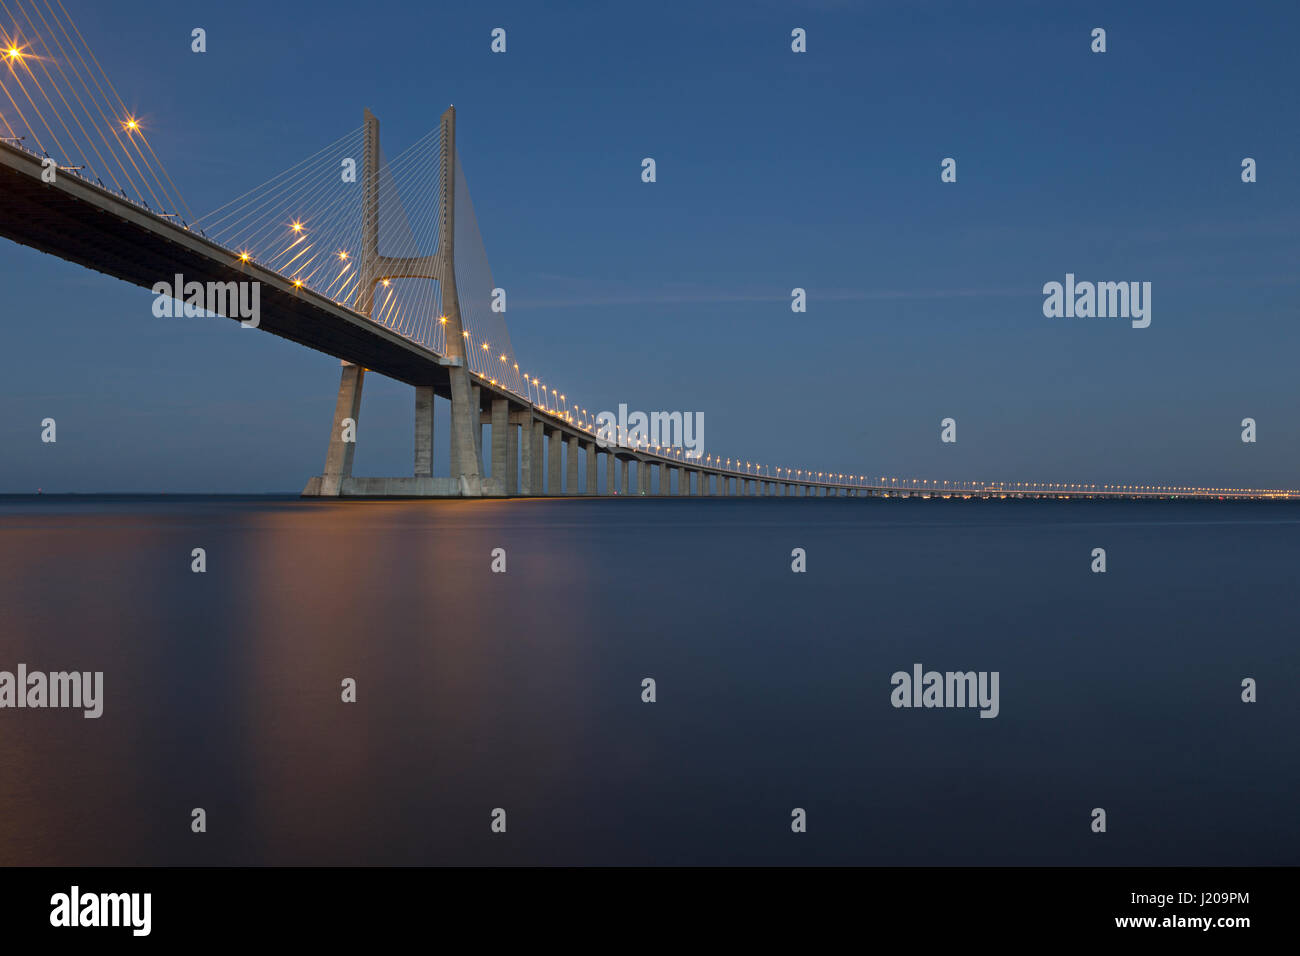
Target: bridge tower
{"x": 465, "y": 459}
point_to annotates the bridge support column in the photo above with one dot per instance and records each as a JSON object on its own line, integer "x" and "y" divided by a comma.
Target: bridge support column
{"x": 539, "y": 456}
{"x": 423, "y": 431}
{"x": 512, "y": 457}
{"x": 338, "y": 458}
{"x": 525, "y": 454}
{"x": 593, "y": 478}
{"x": 571, "y": 466}
{"x": 642, "y": 477}
{"x": 500, "y": 442}
{"x": 554, "y": 458}
{"x": 623, "y": 476}
{"x": 476, "y": 402}
{"x": 611, "y": 473}
{"x": 665, "y": 485}
{"x": 465, "y": 458}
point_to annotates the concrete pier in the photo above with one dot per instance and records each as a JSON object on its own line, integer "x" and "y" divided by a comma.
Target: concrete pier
{"x": 539, "y": 457}
{"x": 339, "y": 455}
{"x": 500, "y": 440}
{"x": 512, "y": 456}
{"x": 571, "y": 466}
{"x": 526, "y": 486}
{"x": 423, "y": 467}
{"x": 554, "y": 457}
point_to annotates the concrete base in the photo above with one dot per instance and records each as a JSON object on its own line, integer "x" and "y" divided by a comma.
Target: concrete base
{"x": 423, "y": 487}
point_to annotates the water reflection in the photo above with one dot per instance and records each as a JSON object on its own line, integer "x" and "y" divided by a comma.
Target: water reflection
{"x": 522, "y": 690}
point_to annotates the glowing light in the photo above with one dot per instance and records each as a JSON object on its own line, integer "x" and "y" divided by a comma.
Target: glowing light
{"x": 344, "y": 255}
{"x": 131, "y": 124}
{"x": 14, "y": 53}
{"x": 297, "y": 283}
{"x": 296, "y": 227}
{"x": 244, "y": 257}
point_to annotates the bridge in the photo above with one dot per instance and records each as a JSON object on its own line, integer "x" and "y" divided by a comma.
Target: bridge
{"x": 383, "y": 270}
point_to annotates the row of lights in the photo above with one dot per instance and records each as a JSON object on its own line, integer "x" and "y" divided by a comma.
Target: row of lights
{"x": 554, "y": 403}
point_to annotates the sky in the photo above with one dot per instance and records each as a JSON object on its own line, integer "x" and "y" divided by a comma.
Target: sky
{"x": 775, "y": 170}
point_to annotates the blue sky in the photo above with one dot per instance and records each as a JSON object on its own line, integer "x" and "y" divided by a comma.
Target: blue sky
{"x": 775, "y": 170}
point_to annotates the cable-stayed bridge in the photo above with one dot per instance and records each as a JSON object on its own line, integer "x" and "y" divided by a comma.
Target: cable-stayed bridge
{"x": 378, "y": 262}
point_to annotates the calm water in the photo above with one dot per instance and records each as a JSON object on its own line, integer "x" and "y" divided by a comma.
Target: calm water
{"x": 522, "y": 690}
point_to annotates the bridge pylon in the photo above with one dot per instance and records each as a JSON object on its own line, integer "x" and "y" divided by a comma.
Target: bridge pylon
{"x": 466, "y": 469}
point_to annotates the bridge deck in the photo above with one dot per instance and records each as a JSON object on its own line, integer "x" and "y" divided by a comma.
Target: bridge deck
{"x": 83, "y": 223}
